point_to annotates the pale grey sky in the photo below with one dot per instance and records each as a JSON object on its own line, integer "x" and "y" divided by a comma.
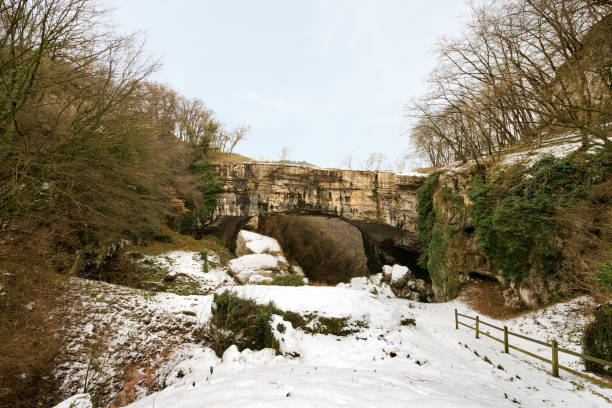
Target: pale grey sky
{"x": 323, "y": 77}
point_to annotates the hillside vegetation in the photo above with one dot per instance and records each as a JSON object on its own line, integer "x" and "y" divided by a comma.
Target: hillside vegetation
{"x": 542, "y": 230}
{"x": 522, "y": 70}
{"x": 93, "y": 157}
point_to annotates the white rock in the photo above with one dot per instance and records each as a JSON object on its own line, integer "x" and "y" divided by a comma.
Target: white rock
{"x": 256, "y": 279}
{"x": 370, "y": 284}
{"x": 253, "y": 263}
{"x": 282, "y": 260}
{"x": 76, "y": 401}
{"x": 395, "y": 272}
{"x": 297, "y": 270}
{"x": 252, "y": 243}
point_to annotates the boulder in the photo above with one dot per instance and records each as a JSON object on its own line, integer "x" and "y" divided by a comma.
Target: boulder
{"x": 260, "y": 258}
{"x": 255, "y": 264}
{"x": 396, "y": 273}
{"x": 249, "y": 243}
{"x": 404, "y": 285}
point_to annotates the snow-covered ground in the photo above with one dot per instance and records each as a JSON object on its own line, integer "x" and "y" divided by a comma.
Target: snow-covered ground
{"x": 209, "y": 273}
{"x": 560, "y": 146}
{"x": 114, "y": 328}
{"x": 387, "y": 364}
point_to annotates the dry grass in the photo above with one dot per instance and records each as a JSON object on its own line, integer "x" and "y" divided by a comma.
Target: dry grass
{"x": 183, "y": 243}
{"x": 221, "y": 157}
{"x": 486, "y": 298}
{"x": 30, "y": 324}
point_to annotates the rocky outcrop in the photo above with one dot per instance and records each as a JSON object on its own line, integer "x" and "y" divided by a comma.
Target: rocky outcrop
{"x": 463, "y": 258}
{"x": 260, "y": 259}
{"x": 381, "y": 204}
{"x": 405, "y": 285}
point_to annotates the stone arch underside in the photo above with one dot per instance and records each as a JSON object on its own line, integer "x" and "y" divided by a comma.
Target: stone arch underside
{"x": 381, "y": 205}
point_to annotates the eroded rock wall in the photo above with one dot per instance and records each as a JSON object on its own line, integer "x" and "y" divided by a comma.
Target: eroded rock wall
{"x": 381, "y": 204}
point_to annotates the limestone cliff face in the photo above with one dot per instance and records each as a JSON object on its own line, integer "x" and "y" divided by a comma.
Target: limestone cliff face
{"x": 382, "y": 205}
{"x": 462, "y": 258}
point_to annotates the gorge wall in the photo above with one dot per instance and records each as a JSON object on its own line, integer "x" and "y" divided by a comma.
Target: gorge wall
{"x": 381, "y": 204}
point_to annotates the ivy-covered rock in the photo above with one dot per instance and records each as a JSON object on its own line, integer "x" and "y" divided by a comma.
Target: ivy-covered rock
{"x": 597, "y": 339}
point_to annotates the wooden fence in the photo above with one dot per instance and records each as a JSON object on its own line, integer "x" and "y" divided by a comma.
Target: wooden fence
{"x": 554, "y": 360}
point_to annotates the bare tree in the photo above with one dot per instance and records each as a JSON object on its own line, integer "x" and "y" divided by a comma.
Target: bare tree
{"x": 524, "y": 68}
{"x": 374, "y": 162}
{"x": 347, "y": 161}
{"x": 238, "y": 135}
{"x": 284, "y": 155}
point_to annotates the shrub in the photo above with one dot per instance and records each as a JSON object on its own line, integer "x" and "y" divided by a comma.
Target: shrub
{"x": 426, "y": 216}
{"x": 292, "y": 279}
{"x": 241, "y": 322}
{"x": 515, "y": 214}
{"x": 167, "y": 239}
{"x": 597, "y": 338}
{"x": 30, "y": 328}
{"x": 603, "y": 276}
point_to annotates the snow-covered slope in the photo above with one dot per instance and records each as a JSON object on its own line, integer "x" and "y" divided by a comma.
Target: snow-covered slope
{"x": 388, "y": 364}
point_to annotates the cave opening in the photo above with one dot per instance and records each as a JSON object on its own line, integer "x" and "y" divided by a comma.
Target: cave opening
{"x": 313, "y": 240}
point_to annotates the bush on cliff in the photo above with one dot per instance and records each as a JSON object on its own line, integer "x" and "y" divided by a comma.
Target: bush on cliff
{"x": 597, "y": 339}
{"x": 551, "y": 219}
{"x": 241, "y": 322}
{"x": 517, "y": 213}
{"x": 426, "y": 216}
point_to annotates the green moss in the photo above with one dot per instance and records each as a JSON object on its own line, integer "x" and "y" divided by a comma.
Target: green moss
{"x": 337, "y": 326}
{"x": 291, "y": 279}
{"x": 426, "y": 216}
{"x": 515, "y": 214}
{"x": 210, "y": 188}
{"x": 296, "y": 319}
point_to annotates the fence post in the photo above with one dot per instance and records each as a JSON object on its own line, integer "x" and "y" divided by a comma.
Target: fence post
{"x": 477, "y": 327}
{"x": 456, "y": 320}
{"x": 506, "y": 348}
{"x": 555, "y": 358}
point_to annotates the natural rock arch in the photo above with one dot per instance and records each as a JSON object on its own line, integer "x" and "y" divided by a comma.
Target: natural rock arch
{"x": 382, "y": 205}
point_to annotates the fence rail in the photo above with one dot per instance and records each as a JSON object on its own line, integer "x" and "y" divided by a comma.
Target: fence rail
{"x": 554, "y": 360}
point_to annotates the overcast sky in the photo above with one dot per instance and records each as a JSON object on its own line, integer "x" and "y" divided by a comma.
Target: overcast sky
{"x": 324, "y": 78}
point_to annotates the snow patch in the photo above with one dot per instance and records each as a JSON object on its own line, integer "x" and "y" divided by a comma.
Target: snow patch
{"x": 386, "y": 364}
{"x": 252, "y": 243}
{"x": 76, "y": 401}
{"x": 396, "y": 272}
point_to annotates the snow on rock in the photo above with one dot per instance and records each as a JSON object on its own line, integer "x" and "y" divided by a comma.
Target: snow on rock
{"x": 396, "y": 272}
{"x": 246, "y": 266}
{"x": 256, "y": 279}
{"x": 297, "y": 270}
{"x": 76, "y": 401}
{"x": 404, "y": 285}
{"x": 187, "y": 363}
{"x": 383, "y": 365}
{"x": 249, "y": 243}
{"x": 372, "y": 284}
{"x": 260, "y": 258}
